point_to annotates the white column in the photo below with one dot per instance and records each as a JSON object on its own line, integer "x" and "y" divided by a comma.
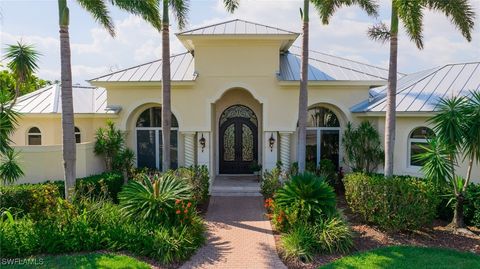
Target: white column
{"x": 203, "y": 154}
{"x": 285, "y": 138}
{"x": 189, "y": 148}
{"x": 270, "y": 155}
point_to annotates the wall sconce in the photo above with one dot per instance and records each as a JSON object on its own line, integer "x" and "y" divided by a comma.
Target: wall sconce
{"x": 203, "y": 142}
{"x": 271, "y": 142}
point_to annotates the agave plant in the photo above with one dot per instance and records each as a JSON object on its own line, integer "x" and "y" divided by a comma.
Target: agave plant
{"x": 307, "y": 197}
{"x": 153, "y": 199}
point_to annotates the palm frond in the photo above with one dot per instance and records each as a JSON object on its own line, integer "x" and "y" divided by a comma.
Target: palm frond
{"x": 460, "y": 12}
{"x": 10, "y": 170}
{"x": 326, "y": 8}
{"x": 99, "y": 11}
{"x": 471, "y": 145}
{"x": 147, "y": 9}
{"x": 379, "y": 32}
{"x": 231, "y": 5}
{"x": 436, "y": 166}
{"x": 180, "y": 10}
{"x": 23, "y": 59}
{"x": 411, "y": 14}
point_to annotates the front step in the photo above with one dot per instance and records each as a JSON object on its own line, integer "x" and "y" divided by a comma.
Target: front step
{"x": 235, "y": 186}
{"x": 243, "y": 194}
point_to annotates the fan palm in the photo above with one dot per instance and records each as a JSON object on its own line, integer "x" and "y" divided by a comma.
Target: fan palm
{"x": 326, "y": 9}
{"x": 147, "y": 9}
{"x": 179, "y": 8}
{"x": 23, "y": 62}
{"x": 410, "y": 14}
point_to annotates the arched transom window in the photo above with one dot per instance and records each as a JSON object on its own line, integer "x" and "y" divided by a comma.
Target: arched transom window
{"x": 416, "y": 142}
{"x": 149, "y": 139}
{"x": 323, "y": 137}
{"x": 34, "y": 136}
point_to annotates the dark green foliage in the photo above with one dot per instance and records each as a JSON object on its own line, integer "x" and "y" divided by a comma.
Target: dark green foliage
{"x": 271, "y": 182}
{"x": 333, "y": 235}
{"x": 154, "y": 199}
{"x": 10, "y": 170}
{"x": 472, "y": 205}
{"x": 299, "y": 243}
{"x": 106, "y": 186}
{"x": 198, "y": 178}
{"x": 326, "y": 169}
{"x": 306, "y": 197}
{"x": 363, "y": 148}
{"x": 398, "y": 203}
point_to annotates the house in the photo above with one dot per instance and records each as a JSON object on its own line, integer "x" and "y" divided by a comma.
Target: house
{"x": 234, "y": 103}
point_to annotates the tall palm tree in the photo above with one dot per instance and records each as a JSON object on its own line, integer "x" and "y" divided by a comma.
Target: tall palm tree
{"x": 147, "y": 9}
{"x": 23, "y": 62}
{"x": 410, "y": 14}
{"x": 326, "y": 9}
{"x": 179, "y": 9}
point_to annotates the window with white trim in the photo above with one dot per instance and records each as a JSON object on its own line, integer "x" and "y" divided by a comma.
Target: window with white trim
{"x": 78, "y": 136}
{"x": 34, "y": 137}
{"x": 417, "y": 140}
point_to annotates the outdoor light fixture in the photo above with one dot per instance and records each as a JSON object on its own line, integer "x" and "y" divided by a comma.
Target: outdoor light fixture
{"x": 271, "y": 142}
{"x": 202, "y": 142}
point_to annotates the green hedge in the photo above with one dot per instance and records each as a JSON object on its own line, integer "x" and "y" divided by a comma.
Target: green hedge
{"x": 398, "y": 203}
{"x": 106, "y": 185}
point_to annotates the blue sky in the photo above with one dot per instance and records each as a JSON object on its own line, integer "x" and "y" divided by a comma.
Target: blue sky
{"x": 94, "y": 52}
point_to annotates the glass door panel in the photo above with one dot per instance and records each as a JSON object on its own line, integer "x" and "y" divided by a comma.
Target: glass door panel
{"x": 146, "y": 145}
{"x": 311, "y": 150}
{"x": 329, "y": 146}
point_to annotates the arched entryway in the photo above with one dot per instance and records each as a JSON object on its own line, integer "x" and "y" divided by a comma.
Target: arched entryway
{"x": 148, "y": 134}
{"x": 238, "y": 140}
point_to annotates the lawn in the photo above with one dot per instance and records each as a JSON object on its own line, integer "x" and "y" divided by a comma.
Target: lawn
{"x": 400, "y": 257}
{"x": 83, "y": 261}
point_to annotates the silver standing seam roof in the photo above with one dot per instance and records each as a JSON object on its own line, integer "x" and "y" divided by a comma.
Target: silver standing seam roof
{"x": 48, "y": 100}
{"x": 237, "y": 27}
{"x": 421, "y": 91}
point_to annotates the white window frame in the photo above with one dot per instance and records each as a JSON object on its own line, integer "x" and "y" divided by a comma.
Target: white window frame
{"x": 319, "y": 140}
{"x": 79, "y": 133}
{"x": 31, "y": 134}
{"x": 410, "y": 140}
{"x": 157, "y": 140}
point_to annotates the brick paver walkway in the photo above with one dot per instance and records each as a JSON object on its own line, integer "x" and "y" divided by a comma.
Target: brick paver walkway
{"x": 239, "y": 236}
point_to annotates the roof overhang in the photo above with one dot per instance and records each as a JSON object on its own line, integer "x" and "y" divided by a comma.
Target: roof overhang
{"x": 370, "y": 83}
{"x": 140, "y": 84}
{"x": 76, "y": 115}
{"x": 400, "y": 114}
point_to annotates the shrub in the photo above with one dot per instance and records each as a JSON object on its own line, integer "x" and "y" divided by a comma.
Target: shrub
{"x": 271, "y": 182}
{"x": 18, "y": 238}
{"x": 397, "y": 203}
{"x": 305, "y": 197}
{"x": 154, "y": 199}
{"x": 34, "y": 199}
{"x": 472, "y": 205}
{"x": 333, "y": 235}
{"x": 299, "y": 243}
{"x": 198, "y": 178}
{"x": 328, "y": 171}
{"x": 104, "y": 186}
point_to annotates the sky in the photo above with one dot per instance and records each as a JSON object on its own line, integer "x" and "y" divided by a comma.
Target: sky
{"x": 95, "y": 53}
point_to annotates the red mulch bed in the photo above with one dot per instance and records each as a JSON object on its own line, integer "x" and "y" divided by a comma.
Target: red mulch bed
{"x": 369, "y": 237}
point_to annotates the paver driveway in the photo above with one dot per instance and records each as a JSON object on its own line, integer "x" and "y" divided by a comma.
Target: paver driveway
{"x": 239, "y": 236}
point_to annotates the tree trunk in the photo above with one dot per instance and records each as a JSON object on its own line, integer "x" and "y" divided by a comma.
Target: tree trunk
{"x": 166, "y": 106}
{"x": 391, "y": 96}
{"x": 457, "y": 221}
{"x": 303, "y": 95}
{"x": 69, "y": 146}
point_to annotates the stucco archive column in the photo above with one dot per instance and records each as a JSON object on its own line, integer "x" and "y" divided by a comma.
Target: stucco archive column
{"x": 189, "y": 148}
{"x": 285, "y": 138}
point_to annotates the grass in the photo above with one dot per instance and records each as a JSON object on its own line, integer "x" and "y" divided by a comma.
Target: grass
{"x": 400, "y": 257}
{"x": 81, "y": 261}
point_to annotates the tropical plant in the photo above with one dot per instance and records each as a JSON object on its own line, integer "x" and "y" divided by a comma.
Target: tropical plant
{"x": 179, "y": 8}
{"x": 147, "y": 9}
{"x": 410, "y": 14}
{"x": 109, "y": 142}
{"x": 299, "y": 243}
{"x": 363, "y": 149}
{"x": 306, "y": 197}
{"x": 154, "y": 199}
{"x": 198, "y": 179}
{"x": 23, "y": 61}
{"x": 271, "y": 182}
{"x": 333, "y": 235}
{"x": 10, "y": 170}
{"x": 8, "y": 81}
{"x": 326, "y": 9}
{"x": 8, "y": 120}
{"x": 457, "y": 134}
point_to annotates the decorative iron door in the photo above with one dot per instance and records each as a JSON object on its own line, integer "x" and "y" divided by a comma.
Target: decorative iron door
{"x": 238, "y": 146}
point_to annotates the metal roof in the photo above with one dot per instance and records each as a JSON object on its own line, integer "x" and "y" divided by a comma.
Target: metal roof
{"x": 421, "y": 91}
{"x": 237, "y": 27}
{"x": 181, "y": 65}
{"x": 48, "y": 100}
{"x": 327, "y": 67}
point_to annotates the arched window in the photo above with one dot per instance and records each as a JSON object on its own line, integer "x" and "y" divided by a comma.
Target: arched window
{"x": 78, "y": 136}
{"x": 323, "y": 137}
{"x": 418, "y": 139}
{"x": 149, "y": 139}
{"x": 34, "y": 136}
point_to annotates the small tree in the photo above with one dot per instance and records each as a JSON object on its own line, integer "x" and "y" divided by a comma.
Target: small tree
{"x": 457, "y": 127}
{"x": 363, "y": 150}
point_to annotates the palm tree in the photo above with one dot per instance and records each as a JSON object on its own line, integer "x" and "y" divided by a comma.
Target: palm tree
{"x": 326, "y": 9}
{"x": 410, "y": 13}
{"x": 179, "y": 9}
{"x": 147, "y": 9}
{"x": 23, "y": 62}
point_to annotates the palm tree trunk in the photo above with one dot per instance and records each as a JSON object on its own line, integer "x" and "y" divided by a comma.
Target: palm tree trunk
{"x": 69, "y": 146}
{"x": 166, "y": 106}
{"x": 457, "y": 221}
{"x": 391, "y": 96}
{"x": 303, "y": 95}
